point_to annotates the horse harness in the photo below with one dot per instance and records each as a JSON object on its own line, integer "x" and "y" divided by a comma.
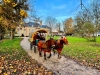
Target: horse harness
{"x": 58, "y": 44}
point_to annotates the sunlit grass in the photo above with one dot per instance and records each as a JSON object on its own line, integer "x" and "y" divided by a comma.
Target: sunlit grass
{"x": 15, "y": 61}
{"x": 82, "y": 50}
{"x": 11, "y": 49}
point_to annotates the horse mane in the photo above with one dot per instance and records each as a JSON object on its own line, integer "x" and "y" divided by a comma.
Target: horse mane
{"x": 60, "y": 41}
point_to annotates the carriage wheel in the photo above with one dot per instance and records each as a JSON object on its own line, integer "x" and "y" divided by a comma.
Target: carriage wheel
{"x": 34, "y": 49}
{"x": 31, "y": 45}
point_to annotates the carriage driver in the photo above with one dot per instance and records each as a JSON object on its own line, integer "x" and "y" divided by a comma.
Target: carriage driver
{"x": 36, "y": 38}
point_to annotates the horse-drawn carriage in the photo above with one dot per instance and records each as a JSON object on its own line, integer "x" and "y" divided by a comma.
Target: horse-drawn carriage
{"x": 46, "y": 45}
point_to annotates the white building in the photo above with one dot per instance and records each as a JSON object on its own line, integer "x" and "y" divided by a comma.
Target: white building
{"x": 29, "y": 27}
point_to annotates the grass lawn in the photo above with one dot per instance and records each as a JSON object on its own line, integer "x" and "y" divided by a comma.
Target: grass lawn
{"x": 12, "y": 56}
{"x": 11, "y": 49}
{"x": 83, "y": 51}
{"x": 15, "y": 61}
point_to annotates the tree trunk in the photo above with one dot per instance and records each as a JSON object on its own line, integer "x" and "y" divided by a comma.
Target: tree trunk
{"x": 0, "y": 37}
{"x": 11, "y": 34}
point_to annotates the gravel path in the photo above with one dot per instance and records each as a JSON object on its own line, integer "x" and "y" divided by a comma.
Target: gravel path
{"x": 63, "y": 66}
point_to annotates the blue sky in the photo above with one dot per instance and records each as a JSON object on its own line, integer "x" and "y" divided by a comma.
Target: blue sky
{"x": 60, "y": 9}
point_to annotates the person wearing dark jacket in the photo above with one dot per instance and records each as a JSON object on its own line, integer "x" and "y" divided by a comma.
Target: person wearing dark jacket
{"x": 42, "y": 37}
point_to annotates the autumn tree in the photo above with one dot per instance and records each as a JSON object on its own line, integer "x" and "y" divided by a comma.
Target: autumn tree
{"x": 68, "y": 26}
{"x": 13, "y": 11}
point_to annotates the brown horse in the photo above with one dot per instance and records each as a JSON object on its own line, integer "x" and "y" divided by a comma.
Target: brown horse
{"x": 59, "y": 45}
{"x": 46, "y": 47}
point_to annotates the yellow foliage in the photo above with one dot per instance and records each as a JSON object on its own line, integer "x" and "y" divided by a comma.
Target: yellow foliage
{"x": 14, "y": 4}
{"x": 15, "y": 70}
{"x": 7, "y": 1}
{"x": 5, "y": 74}
{"x": 21, "y": 22}
{"x": 3, "y": 58}
{"x": 11, "y": 67}
{"x": 1, "y": 18}
{"x": 23, "y": 13}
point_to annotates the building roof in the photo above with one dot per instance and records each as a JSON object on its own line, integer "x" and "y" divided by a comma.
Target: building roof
{"x": 32, "y": 24}
{"x": 44, "y": 26}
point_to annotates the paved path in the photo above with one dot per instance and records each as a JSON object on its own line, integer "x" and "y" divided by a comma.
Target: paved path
{"x": 63, "y": 66}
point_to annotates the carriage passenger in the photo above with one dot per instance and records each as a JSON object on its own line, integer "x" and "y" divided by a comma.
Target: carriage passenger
{"x": 42, "y": 37}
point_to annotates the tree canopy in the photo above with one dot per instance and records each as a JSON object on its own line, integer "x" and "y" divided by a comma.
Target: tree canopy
{"x": 11, "y": 14}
